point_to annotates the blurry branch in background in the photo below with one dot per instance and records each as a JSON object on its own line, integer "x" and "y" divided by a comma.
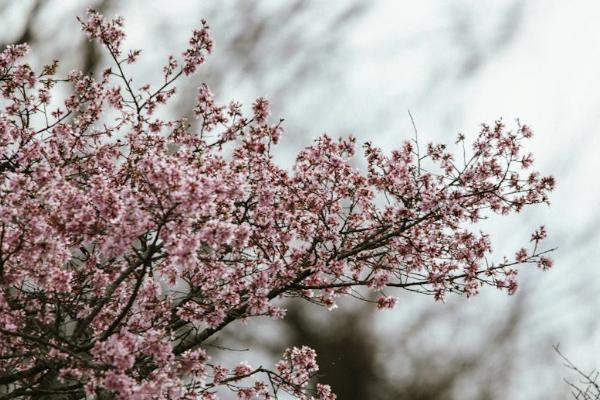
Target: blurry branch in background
{"x": 287, "y": 39}
{"x": 348, "y": 358}
{"x": 466, "y": 46}
{"x": 468, "y": 368}
{"x": 477, "y": 48}
{"x": 88, "y": 56}
{"x": 588, "y": 385}
{"x": 25, "y": 34}
{"x": 410, "y": 364}
{"x": 281, "y": 37}
{"x": 276, "y": 51}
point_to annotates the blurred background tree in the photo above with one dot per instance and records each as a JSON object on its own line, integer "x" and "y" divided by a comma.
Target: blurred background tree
{"x": 357, "y": 66}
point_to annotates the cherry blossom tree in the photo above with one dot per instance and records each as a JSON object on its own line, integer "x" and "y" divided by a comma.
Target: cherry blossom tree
{"x": 128, "y": 241}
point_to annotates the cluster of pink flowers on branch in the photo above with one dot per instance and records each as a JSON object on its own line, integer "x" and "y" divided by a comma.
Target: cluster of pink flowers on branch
{"x": 127, "y": 241}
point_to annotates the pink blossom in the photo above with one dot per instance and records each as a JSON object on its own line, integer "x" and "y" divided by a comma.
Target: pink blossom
{"x": 386, "y": 302}
{"x": 545, "y": 262}
{"x": 242, "y": 369}
{"x": 219, "y": 374}
{"x": 261, "y": 110}
{"x": 142, "y": 238}
{"x": 200, "y": 45}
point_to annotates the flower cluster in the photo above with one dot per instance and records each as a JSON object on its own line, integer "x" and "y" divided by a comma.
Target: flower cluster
{"x": 200, "y": 44}
{"x": 127, "y": 241}
{"x": 110, "y": 33}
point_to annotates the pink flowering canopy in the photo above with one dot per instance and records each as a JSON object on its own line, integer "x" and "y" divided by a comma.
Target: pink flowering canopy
{"x": 128, "y": 241}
